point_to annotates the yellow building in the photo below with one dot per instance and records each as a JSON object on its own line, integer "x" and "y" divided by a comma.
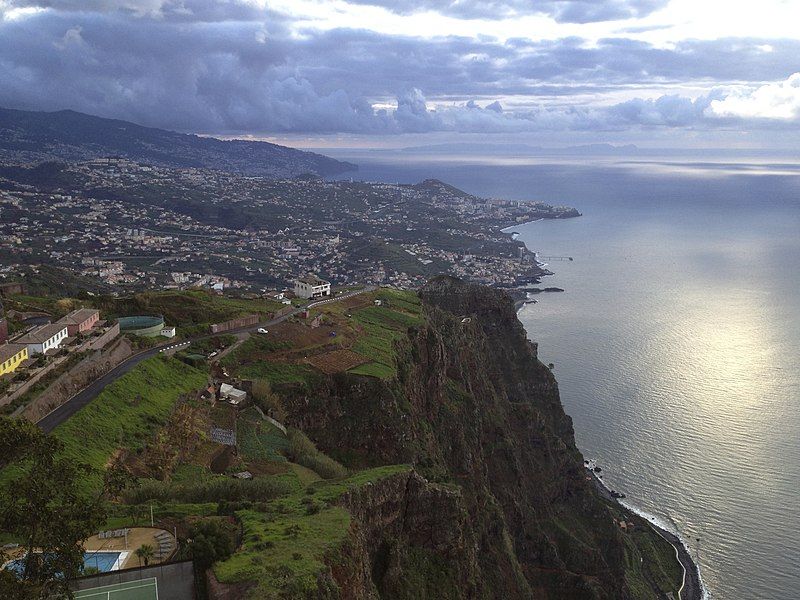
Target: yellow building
{"x": 11, "y": 356}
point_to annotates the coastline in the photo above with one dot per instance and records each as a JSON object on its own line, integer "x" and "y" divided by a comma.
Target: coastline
{"x": 503, "y": 229}
{"x": 520, "y": 296}
{"x": 693, "y": 588}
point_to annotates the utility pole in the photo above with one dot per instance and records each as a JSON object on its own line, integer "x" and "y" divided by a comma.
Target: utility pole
{"x": 152, "y": 523}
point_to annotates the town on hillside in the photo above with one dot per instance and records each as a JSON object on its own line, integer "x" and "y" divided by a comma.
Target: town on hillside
{"x": 155, "y": 324}
{"x": 113, "y": 225}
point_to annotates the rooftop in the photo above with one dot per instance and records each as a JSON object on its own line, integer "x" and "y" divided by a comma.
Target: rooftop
{"x": 41, "y": 334}
{"x": 9, "y": 350}
{"x": 79, "y": 315}
{"x": 312, "y": 279}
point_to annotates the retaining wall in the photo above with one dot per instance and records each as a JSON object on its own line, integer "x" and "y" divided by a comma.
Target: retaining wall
{"x": 97, "y": 343}
{"x": 176, "y": 580}
{"x": 70, "y": 383}
{"x": 284, "y": 311}
{"x": 235, "y": 323}
{"x": 29, "y": 383}
{"x": 101, "y": 341}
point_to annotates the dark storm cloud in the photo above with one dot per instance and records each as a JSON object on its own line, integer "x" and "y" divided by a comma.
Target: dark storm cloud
{"x": 196, "y": 67}
{"x": 564, "y": 11}
{"x": 375, "y": 65}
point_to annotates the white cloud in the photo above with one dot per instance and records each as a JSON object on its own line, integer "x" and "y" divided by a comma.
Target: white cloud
{"x": 780, "y": 101}
{"x": 72, "y": 37}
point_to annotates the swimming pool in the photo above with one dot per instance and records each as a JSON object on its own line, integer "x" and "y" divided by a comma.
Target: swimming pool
{"x": 102, "y": 561}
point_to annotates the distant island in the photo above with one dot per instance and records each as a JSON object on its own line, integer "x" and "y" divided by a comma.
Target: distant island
{"x": 524, "y": 149}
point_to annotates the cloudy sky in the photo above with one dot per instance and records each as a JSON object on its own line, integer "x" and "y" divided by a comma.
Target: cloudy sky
{"x": 371, "y": 72}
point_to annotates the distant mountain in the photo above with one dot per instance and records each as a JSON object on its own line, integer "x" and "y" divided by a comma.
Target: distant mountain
{"x": 474, "y": 148}
{"x": 602, "y": 149}
{"x": 67, "y": 135}
{"x": 524, "y": 149}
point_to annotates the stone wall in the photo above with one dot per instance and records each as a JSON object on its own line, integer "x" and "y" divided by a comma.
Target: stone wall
{"x": 283, "y": 312}
{"x": 34, "y": 376}
{"x": 10, "y": 289}
{"x": 90, "y": 368}
{"x": 235, "y": 323}
{"x": 101, "y": 341}
{"x": 270, "y": 419}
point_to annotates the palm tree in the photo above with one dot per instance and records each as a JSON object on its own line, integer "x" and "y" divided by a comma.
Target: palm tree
{"x": 145, "y": 552}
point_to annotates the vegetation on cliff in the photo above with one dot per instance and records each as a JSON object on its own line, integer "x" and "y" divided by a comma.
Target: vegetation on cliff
{"x": 425, "y": 454}
{"x": 471, "y": 405}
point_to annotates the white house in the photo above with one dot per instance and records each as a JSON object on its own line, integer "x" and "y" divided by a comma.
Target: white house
{"x": 233, "y": 395}
{"x": 44, "y": 338}
{"x": 311, "y": 286}
{"x": 168, "y": 332}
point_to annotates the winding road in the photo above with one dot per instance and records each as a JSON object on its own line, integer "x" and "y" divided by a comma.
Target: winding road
{"x": 691, "y": 588}
{"x": 58, "y": 416}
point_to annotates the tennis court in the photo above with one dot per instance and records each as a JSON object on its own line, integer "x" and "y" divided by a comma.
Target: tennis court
{"x": 144, "y": 589}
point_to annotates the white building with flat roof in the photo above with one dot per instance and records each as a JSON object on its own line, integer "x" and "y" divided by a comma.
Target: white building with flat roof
{"x": 311, "y": 286}
{"x": 233, "y": 395}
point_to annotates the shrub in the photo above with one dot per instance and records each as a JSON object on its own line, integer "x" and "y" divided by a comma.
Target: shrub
{"x": 210, "y": 543}
{"x": 267, "y": 400}
{"x": 300, "y": 445}
{"x": 324, "y": 465}
{"x": 211, "y": 490}
{"x": 303, "y": 451}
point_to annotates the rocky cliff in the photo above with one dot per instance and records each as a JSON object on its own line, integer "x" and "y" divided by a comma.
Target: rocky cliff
{"x": 498, "y": 504}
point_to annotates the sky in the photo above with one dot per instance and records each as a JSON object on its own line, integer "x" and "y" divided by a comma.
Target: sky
{"x": 383, "y": 73}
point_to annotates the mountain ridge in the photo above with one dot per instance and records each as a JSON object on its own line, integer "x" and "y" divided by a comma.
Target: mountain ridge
{"x": 68, "y": 135}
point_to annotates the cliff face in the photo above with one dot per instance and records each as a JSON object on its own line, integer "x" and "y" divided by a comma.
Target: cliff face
{"x": 410, "y": 539}
{"x": 473, "y": 408}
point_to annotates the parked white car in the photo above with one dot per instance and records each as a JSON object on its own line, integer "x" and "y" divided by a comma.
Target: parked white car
{"x": 262, "y": 330}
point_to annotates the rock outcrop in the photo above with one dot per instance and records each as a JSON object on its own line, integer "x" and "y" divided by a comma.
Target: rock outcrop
{"x": 498, "y": 504}
{"x": 410, "y": 539}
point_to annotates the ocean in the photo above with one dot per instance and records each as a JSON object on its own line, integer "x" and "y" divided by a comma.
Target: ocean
{"x": 676, "y": 341}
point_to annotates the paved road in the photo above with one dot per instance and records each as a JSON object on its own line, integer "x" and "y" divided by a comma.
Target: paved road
{"x": 90, "y": 392}
{"x": 692, "y": 589}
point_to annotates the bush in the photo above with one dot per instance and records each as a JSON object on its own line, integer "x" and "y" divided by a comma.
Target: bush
{"x": 267, "y": 400}
{"x": 303, "y": 451}
{"x": 212, "y": 490}
{"x": 300, "y": 445}
{"x": 324, "y": 465}
{"x": 210, "y": 543}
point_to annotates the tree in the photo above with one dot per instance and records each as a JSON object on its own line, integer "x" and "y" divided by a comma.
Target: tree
{"x": 209, "y": 543}
{"x": 144, "y": 553}
{"x": 44, "y": 504}
{"x": 267, "y": 400}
